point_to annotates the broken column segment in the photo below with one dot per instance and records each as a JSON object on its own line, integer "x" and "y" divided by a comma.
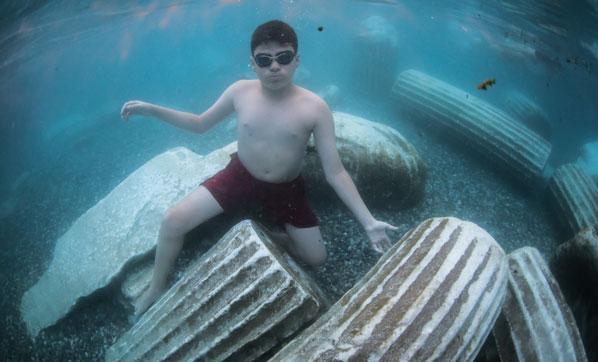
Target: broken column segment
{"x": 433, "y": 296}
{"x": 237, "y": 301}
{"x": 575, "y": 196}
{"x": 536, "y": 323}
{"x": 488, "y": 129}
{"x": 119, "y": 228}
{"x": 526, "y": 110}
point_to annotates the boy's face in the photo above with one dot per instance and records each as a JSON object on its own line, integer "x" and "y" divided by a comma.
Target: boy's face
{"x": 268, "y": 63}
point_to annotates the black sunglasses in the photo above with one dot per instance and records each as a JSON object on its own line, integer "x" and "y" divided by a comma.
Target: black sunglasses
{"x": 283, "y": 58}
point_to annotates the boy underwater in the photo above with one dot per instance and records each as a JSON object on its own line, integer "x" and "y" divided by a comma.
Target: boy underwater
{"x": 275, "y": 119}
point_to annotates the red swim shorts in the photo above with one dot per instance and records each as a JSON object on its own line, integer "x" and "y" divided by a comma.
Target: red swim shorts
{"x": 236, "y": 190}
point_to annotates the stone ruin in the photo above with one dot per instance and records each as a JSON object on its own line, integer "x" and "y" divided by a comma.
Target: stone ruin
{"x": 118, "y": 229}
{"x": 123, "y": 227}
{"x": 527, "y": 111}
{"x": 435, "y": 295}
{"x": 536, "y": 323}
{"x": 519, "y": 141}
{"x": 575, "y": 196}
{"x": 489, "y": 130}
{"x": 236, "y": 302}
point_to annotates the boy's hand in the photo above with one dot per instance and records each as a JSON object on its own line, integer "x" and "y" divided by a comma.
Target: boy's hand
{"x": 377, "y": 234}
{"x": 132, "y": 108}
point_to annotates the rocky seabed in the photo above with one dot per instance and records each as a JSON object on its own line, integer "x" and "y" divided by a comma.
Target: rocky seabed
{"x": 435, "y": 295}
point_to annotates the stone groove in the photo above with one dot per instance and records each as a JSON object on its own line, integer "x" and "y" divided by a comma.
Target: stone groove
{"x": 491, "y": 130}
{"x": 228, "y": 301}
{"x": 576, "y": 197}
{"x": 536, "y": 323}
{"x": 435, "y": 294}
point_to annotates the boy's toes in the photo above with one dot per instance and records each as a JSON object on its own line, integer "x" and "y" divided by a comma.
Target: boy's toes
{"x": 133, "y": 319}
{"x": 141, "y": 307}
{"x": 146, "y": 301}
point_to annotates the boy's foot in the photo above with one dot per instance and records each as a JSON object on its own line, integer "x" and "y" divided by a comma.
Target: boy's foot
{"x": 147, "y": 299}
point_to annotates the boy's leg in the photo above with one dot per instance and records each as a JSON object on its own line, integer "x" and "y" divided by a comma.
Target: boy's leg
{"x": 306, "y": 244}
{"x": 194, "y": 209}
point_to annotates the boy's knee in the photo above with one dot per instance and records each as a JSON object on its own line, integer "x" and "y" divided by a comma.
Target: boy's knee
{"x": 173, "y": 222}
{"x": 316, "y": 258}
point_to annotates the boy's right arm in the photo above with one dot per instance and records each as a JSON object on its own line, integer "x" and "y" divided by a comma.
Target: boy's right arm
{"x": 223, "y": 107}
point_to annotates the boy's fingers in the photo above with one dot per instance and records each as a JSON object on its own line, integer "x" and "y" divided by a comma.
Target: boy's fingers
{"x": 124, "y": 112}
{"x": 388, "y": 244}
{"x": 382, "y": 245}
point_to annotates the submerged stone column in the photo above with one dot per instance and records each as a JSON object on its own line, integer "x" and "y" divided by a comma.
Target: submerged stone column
{"x": 386, "y": 168}
{"x": 576, "y": 197}
{"x": 490, "y": 130}
{"x": 433, "y": 296}
{"x": 238, "y": 301}
{"x": 536, "y": 323}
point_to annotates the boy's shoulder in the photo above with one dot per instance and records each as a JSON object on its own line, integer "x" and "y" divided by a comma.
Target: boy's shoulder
{"x": 312, "y": 98}
{"x": 244, "y": 84}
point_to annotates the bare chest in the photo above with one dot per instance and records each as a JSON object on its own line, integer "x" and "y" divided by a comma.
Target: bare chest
{"x": 285, "y": 123}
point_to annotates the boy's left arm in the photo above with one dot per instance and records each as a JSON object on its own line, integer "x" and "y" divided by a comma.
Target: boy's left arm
{"x": 341, "y": 182}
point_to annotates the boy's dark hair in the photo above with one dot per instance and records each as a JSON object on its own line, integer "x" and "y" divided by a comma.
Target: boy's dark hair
{"x": 274, "y": 30}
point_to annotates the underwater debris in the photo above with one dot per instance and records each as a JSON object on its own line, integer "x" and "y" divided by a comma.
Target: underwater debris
{"x": 536, "y": 323}
{"x": 575, "y": 197}
{"x": 119, "y": 228}
{"x": 320, "y": 28}
{"x": 529, "y": 113}
{"x": 433, "y": 296}
{"x": 490, "y": 130}
{"x": 235, "y": 303}
{"x": 486, "y": 84}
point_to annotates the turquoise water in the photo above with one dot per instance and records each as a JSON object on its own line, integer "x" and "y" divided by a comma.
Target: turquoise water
{"x": 66, "y": 70}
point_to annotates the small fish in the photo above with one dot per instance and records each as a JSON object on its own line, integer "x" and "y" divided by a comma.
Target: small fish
{"x": 486, "y": 84}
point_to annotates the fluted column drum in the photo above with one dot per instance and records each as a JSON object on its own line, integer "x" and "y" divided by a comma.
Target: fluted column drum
{"x": 536, "y": 323}
{"x": 433, "y": 296}
{"x": 576, "y": 197}
{"x": 490, "y": 130}
{"x": 239, "y": 300}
